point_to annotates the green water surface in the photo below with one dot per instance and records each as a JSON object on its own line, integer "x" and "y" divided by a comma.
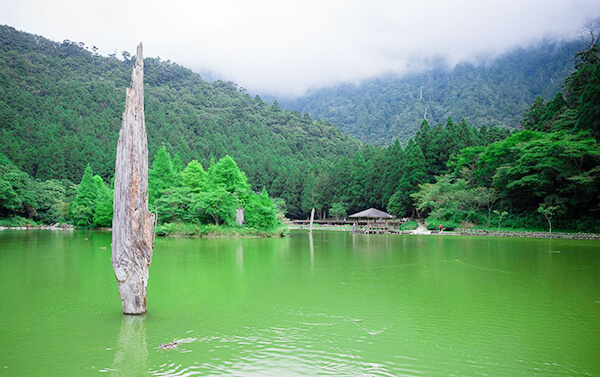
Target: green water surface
{"x": 332, "y": 304}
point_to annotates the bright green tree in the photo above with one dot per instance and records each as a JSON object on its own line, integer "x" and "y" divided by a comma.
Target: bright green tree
{"x": 338, "y": 210}
{"x": 83, "y": 206}
{"x": 161, "y": 176}
{"x": 227, "y": 175}
{"x": 175, "y": 205}
{"x": 217, "y": 203}
{"x": 261, "y": 212}
{"x": 103, "y": 213}
{"x": 193, "y": 176}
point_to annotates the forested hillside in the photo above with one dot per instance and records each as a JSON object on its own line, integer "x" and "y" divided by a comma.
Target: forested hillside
{"x": 547, "y": 174}
{"x": 61, "y": 106}
{"x": 496, "y": 93}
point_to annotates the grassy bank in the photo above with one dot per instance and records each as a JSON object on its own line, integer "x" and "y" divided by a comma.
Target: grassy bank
{"x": 211, "y": 230}
{"x": 16, "y": 221}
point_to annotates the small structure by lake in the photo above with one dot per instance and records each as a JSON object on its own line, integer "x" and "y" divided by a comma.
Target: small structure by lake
{"x": 374, "y": 226}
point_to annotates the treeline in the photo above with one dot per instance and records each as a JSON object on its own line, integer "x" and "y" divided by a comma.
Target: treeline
{"x": 176, "y": 194}
{"x": 371, "y": 177}
{"x": 382, "y": 177}
{"x": 498, "y": 93}
{"x": 193, "y": 195}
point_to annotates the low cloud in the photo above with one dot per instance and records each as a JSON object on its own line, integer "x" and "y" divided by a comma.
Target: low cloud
{"x": 287, "y": 47}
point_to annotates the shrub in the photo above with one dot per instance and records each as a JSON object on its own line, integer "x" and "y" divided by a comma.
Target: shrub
{"x": 16, "y": 221}
{"x": 433, "y": 224}
{"x": 212, "y": 230}
{"x": 409, "y": 225}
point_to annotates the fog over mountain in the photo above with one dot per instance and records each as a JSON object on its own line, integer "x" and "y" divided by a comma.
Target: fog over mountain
{"x": 286, "y": 48}
{"x": 493, "y": 93}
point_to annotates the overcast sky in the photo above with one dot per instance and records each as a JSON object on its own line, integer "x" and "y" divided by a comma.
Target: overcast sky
{"x": 284, "y": 47}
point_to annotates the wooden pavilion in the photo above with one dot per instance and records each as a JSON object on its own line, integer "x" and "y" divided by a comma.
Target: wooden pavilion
{"x": 374, "y": 226}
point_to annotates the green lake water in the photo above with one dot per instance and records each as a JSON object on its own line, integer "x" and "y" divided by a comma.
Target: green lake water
{"x": 332, "y": 304}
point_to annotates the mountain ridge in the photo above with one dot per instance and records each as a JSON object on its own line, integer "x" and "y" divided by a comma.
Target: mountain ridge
{"x": 497, "y": 93}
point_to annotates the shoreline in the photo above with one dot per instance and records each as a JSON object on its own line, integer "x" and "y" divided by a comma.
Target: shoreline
{"x": 39, "y": 227}
{"x": 477, "y": 232}
{"x": 530, "y": 234}
{"x": 482, "y": 233}
{"x": 196, "y": 233}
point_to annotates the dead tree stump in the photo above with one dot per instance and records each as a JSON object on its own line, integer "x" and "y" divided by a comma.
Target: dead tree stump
{"x": 132, "y": 237}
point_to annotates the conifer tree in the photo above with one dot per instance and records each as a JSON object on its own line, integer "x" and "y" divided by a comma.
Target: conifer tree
{"x": 194, "y": 176}
{"x": 103, "y": 212}
{"x": 358, "y": 183}
{"x": 227, "y": 175}
{"x": 83, "y": 206}
{"x": 161, "y": 176}
{"x": 414, "y": 173}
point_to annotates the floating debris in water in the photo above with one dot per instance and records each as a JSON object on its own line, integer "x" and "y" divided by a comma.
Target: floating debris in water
{"x": 168, "y": 346}
{"x": 175, "y": 343}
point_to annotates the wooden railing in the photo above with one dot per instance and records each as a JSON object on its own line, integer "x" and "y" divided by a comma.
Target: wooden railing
{"x": 393, "y": 223}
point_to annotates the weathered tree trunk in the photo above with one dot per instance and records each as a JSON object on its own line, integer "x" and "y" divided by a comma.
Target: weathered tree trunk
{"x": 312, "y": 218}
{"x": 239, "y": 217}
{"x": 132, "y": 221}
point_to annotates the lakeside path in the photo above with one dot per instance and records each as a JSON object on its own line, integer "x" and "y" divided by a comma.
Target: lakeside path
{"x": 422, "y": 230}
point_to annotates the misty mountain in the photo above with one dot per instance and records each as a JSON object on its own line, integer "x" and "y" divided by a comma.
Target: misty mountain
{"x": 495, "y": 93}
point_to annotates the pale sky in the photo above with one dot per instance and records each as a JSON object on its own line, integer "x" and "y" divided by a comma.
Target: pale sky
{"x": 285, "y": 47}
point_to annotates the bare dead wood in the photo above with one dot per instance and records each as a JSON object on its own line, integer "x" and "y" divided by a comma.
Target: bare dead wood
{"x": 132, "y": 221}
{"x": 239, "y": 217}
{"x": 590, "y": 34}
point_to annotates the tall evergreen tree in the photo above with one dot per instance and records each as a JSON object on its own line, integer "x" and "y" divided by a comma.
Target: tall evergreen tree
{"x": 227, "y": 175}
{"x": 161, "y": 176}
{"x": 359, "y": 177}
{"x": 194, "y": 176}
{"x": 103, "y": 211}
{"x": 84, "y": 204}
{"x": 414, "y": 173}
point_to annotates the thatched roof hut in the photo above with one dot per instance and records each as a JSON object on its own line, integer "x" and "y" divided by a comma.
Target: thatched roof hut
{"x": 372, "y": 213}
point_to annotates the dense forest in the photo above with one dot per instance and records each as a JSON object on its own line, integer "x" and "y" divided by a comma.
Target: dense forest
{"x": 492, "y": 93}
{"x": 61, "y": 105}
{"x": 549, "y": 172}
{"x": 60, "y": 114}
